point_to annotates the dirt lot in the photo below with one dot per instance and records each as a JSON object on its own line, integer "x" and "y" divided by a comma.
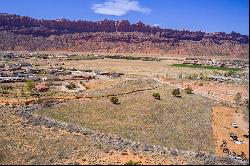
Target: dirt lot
{"x": 223, "y": 117}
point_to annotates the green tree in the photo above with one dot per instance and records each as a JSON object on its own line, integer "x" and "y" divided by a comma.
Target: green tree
{"x": 114, "y": 100}
{"x": 230, "y": 73}
{"x": 71, "y": 86}
{"x": 176, "y": 92}
{"x": 29, "y": 85}
{"x": 157, "y": 96}
{"x": 131, "y": 163}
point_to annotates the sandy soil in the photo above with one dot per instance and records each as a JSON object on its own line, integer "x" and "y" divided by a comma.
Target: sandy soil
{"x": 223, "y": 117}
{"x": 124, "y": 157}
{"x": 7, "y": 100}
{"x": 220, "y": 90}
{"x": 79, "y": 87}
{"x": 100, "y": 84}
{"x": 22, "y": 143}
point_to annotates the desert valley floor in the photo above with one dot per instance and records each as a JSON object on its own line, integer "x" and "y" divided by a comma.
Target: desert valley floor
{"x": 70, "y": 116}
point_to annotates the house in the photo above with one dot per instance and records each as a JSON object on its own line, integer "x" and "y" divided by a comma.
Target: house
{"x": 10, "y": 79}
{"x": 62, "y": 57}
{"x": 12, "y": 67}
{"x": 8, "y": 55}
{"x": 25, "y": 64}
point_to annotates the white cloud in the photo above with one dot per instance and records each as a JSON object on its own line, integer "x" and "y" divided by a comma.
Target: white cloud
{"x": 156, "y": 25}
{"x": 119, "y": 7}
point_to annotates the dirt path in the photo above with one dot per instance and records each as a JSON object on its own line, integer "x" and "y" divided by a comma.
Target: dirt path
{"x": 10, "y": 100}
{"x": 223, "y": 117}
{"x": 17, "y": 101}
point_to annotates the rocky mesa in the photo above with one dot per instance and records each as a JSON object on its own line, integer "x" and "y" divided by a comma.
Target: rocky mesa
{"x": 18, "y": 33}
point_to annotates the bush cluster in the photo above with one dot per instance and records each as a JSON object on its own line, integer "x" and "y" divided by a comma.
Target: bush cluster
{"x": 71, "y": 86}
{"x": 114, "y": 100}
{"x": 189, "y": 90}
{"x": 157, "y": 96}
{"x": 176, "y": 92}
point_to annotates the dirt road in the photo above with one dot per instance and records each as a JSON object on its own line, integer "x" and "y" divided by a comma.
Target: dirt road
{"x": 223, "y": 117}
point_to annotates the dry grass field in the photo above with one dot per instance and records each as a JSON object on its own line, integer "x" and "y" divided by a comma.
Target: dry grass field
{"x": 23, "y": 144}
{"x": 183, "y": 123}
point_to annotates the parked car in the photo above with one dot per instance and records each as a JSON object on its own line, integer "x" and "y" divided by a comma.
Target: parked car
{"x": 234, "y": 125}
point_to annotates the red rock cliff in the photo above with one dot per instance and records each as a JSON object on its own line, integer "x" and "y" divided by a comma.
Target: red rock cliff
{"x": 20, "y": 33}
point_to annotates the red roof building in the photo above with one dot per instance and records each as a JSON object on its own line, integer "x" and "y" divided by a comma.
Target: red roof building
{"x": 41, "y": 87}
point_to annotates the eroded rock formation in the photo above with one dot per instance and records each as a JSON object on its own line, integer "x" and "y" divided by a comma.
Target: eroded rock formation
{"x": 25, "y": 33}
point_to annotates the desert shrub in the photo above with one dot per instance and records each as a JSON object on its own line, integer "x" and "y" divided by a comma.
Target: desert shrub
{"x": 39, "y": 101}
{"x": 189, "y": 90}
{"x": 194, "y": 76}
{"x": 29, "y": 85}
{"x": 246, "y": 103}
{"x": 7, "y": 87}
{"x": 203, "y": 76}
{"x": 230, "y": 73}
{"x": 114, "y": 100}
{"x": 157, "y": 96}
{"x": 176, "y": 92}
{"x": 131, "y": 163}
{"x": 179, "y": 75}
{"x": 21, "y": 91}
{"x": 71, "y": 86}
{"x": 4, "y": 92}
{"x": 200, "y": 84}
{"x": 189, "y": 77}
{"x": 237, "y": 98}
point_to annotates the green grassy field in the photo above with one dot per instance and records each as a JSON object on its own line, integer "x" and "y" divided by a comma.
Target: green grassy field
{"x": 207, "y": 67}
{"x": 183, "y": 123}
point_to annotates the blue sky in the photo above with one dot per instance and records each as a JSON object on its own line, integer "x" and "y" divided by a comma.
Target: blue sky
{"x": 205, "y": 15}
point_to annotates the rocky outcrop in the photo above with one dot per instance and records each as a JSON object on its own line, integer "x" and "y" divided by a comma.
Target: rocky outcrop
{"x": 25, "y": 33}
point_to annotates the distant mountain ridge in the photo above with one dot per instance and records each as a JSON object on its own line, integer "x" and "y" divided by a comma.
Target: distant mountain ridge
{"x": 64, "y": 26}
{"x": 25, "y": 33}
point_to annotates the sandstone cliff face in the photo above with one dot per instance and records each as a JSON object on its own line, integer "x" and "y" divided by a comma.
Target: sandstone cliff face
{"x": 25, "y": 33}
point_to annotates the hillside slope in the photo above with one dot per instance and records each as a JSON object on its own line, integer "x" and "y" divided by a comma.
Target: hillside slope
{"x": 107, "y": 36}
